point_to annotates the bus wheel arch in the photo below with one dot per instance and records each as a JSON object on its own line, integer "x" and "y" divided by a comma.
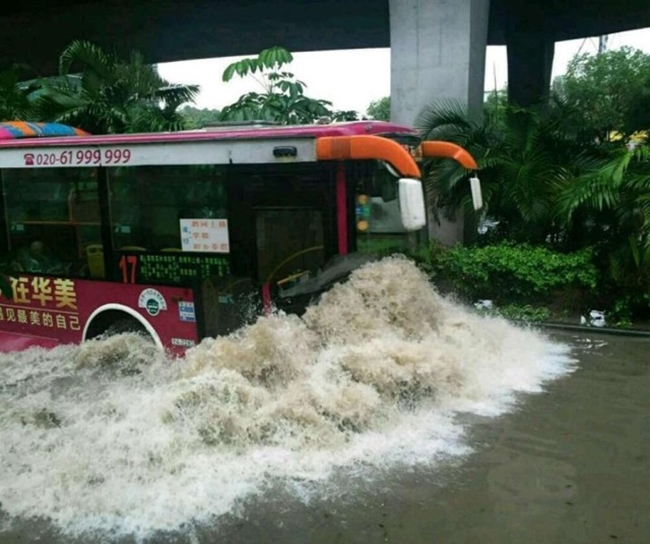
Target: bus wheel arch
{"x": 116, "y": 318}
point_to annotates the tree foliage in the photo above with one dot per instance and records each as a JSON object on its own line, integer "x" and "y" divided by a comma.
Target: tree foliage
{"x": 611, "y": 90}
{"x": 16, "y": 86}
{"x": 517, "y": 158}
{"x": 199, "y": 117}
{"x": 544, "y": 184}
{"x": 379, "y": 109}
{"x": 613, "y": 203}
{"x": 103, "y": 93}
{"x": 282, "y": 96}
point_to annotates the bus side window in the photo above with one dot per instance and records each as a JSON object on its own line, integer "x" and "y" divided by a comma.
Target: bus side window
{"x": 148, "y": 203}
{"x": 51, "y": 214}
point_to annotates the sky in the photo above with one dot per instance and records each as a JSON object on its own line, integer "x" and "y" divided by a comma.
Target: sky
{"x": 351, "y": 79}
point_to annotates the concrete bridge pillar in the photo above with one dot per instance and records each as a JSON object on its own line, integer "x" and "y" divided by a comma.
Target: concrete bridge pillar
{"x": 437, "y": 52}
{"x": 530, "y": 58}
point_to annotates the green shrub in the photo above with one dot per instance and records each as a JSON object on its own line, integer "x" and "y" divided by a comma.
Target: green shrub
{"x": 509, "y": 272}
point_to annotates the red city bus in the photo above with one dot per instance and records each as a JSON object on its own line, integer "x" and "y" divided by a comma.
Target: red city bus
{"x": 190, "y": 234}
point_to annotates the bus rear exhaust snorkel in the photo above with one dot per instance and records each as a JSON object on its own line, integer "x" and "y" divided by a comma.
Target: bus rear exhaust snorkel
{"x": 437, "y": 149}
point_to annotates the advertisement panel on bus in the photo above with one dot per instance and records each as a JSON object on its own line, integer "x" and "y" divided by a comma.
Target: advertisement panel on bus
{"x": 47, "y": 311}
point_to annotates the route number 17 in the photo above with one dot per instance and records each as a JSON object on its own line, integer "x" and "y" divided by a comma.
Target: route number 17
{"x": 128, "y": 266}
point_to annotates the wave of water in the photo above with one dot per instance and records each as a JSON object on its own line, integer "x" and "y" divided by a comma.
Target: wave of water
{"x": 114, "y": 436}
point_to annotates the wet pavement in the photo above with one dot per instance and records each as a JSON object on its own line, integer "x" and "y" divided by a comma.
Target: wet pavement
{"x": 568, "y": 465}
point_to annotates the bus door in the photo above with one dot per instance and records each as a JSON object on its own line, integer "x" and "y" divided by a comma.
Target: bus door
{"x": 288, "y": 215}
{"x": 290, "y": 245}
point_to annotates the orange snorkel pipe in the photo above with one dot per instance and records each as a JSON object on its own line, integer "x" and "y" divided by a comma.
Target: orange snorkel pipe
{"x": 453, "y": 151}
{"x": 448, "y": 150}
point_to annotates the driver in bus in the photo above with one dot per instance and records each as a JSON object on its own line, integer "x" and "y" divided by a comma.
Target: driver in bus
{"x": 35, "y": 259}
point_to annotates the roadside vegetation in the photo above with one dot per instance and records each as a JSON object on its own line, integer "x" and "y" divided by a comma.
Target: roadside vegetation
{"x": 566, "y": 223}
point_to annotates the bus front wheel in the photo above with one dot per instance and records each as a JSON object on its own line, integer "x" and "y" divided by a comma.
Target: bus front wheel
{"x": 111, "y": 323}
{"x": 124, "y": 325}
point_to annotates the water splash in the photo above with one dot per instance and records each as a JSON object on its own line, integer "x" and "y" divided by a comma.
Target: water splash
{"x": 114, "y": 436}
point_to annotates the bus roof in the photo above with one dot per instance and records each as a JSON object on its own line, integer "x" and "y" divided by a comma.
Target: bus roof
{"x": 225, "y": 132}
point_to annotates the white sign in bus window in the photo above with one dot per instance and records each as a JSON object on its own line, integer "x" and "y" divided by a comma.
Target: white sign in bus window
{"x": 209, "y": 235}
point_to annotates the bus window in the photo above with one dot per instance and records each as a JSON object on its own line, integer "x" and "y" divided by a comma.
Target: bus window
{"x": 51, "y": 216}
{"x": 175, "y": 218}
{"x": 378, "y": 223}
{"x": 149, "y": 202}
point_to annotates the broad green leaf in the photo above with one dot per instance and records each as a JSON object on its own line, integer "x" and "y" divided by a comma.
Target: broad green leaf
{"x": 229, "y": 72}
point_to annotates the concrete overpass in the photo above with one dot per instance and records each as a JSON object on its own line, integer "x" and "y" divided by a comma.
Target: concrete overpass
{"x": 171, "y": 30}
{"x": 438, "y": 46}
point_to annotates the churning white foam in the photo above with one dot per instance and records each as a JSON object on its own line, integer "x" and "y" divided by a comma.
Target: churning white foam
{"x": 114, "y": 436}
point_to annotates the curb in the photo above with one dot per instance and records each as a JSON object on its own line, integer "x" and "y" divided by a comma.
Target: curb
{"x": 584, "y": 329}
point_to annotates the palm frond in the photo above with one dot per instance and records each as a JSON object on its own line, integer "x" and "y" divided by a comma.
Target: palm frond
{"x": 176, "y": 94}
{"x": 441, "y": 118}
{"x": 87, "y": 56}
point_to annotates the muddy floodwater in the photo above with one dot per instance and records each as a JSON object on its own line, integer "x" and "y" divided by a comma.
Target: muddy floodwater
{"x": 386, "y": 414}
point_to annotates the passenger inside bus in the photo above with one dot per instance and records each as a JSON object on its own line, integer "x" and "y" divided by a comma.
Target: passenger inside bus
{"x": 36, "y": 258}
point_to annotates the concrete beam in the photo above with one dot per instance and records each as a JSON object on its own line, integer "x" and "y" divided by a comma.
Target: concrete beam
{"x": 170, "y": 30}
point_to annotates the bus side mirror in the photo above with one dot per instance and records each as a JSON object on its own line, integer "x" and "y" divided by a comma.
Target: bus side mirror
{"x": 477, "y": 195}
{"x": 411, "y": 204}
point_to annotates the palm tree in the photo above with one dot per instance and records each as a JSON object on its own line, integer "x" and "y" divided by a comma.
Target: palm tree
{"x": 614, "y": 201}
{"x": 519, "y": 173}
{"x": 14, "y": 93}
{"x": 545, "y": 181}
{"x": 102, "y": 93}
{"x": 525, "y": 156}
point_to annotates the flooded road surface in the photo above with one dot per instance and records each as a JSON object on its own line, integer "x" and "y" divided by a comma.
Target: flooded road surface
{"x": 569, "y": 465}
{"x": 386, "y": 414}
